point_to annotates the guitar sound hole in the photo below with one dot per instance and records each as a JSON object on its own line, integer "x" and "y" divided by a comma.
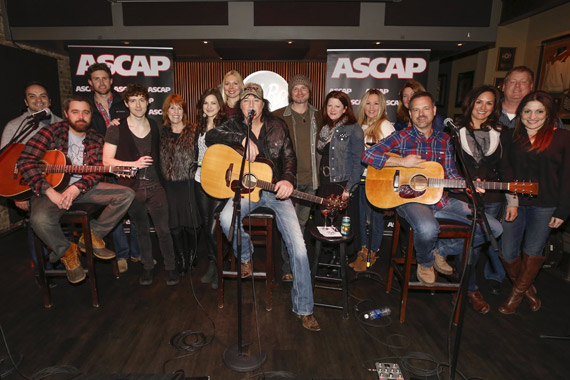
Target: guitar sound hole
{"x": 419, "y": 182}
{"x": 249, "y": 181}
{"x": 407, "y": 192}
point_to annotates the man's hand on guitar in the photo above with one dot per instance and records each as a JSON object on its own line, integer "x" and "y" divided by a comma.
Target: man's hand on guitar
{"x": 283, "y": 189}
{"x": 252, "y": 151}
{"x": 410, "y": 161}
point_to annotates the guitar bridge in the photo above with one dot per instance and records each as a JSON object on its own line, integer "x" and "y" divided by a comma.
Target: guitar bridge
{"x": 396, "y": 181}
{"x": 229, "y": 175}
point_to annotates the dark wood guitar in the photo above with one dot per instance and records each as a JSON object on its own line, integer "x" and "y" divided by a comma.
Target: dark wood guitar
{"x": 56, "y": 167}
{"x": 220, "y": 177}
{"x": 394, "y": 186}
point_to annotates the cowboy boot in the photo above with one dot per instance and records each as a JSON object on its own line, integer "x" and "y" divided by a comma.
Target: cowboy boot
{"x": 513, "y": 268}
{"x": 530, "y": 295}
{"x": 528, "y": 272}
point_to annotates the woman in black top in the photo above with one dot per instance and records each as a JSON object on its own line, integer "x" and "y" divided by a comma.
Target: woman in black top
{"x": 177, "y": 159}
{"x": 539, "y": 152}
{"x": 485, "y": 145}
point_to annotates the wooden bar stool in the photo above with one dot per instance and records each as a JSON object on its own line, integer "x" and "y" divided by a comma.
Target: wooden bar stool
{"x": 449, "y": 229}
{"x": 341, "y": 242}
{"x": 262, "y": 233}
{"x": 74, "y": 222}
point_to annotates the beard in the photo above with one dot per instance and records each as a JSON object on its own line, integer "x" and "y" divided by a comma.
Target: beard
{"x": 80, "y": 126}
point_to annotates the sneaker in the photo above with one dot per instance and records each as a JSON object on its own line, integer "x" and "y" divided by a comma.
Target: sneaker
{"x": 309, "y": 322}
{"x": 123, "y": 265}
{"x": 426, "y": 275}
{"x": 135, "y": 259}
{"x": 146, "y": 277}
{"x": 441, "y": 265}
{"x": 172, "y": 277}
{"x": 73, "y": 268}
{"x": 99, "y": 249}
{"x": 246, "y": 269}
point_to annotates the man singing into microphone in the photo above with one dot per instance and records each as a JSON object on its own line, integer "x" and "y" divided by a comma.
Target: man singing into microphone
{"x": 416, "y": 144}
{"x": 270, "y": 139}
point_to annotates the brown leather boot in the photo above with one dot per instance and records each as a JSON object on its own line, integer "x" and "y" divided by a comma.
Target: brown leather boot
{"x": 360, "y": 258}
{"x": 478, "y": 302}
{"x": 530, "y": 267}
{"x": 513, "y": 268}
{"x": 531, "y": 294}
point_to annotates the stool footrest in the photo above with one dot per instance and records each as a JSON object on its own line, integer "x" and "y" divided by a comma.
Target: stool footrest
{"x": 328, "y": 287}
{"x": 328, "y": 305}
{"x": 331, "y": 279}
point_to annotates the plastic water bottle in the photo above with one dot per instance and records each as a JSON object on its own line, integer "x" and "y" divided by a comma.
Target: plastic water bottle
{"x": 377, "y": 313}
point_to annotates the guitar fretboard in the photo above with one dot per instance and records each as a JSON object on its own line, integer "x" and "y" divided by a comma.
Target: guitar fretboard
{"x": 297, "y": 194}
{"x": 460, "y": 184}
{"x": 79, "y": 169}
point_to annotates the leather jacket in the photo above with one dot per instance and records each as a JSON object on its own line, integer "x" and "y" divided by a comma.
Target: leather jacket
{"x": 276, "y": 146}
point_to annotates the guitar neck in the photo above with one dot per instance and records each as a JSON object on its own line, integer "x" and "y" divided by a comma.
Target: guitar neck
{"x": 461, "y": 184}
{"x": 296, "y": 194}
{"x": 79, "y": 169}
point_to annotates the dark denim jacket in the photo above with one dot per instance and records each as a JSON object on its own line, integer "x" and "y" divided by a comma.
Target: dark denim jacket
{"x": 345, "y": 152}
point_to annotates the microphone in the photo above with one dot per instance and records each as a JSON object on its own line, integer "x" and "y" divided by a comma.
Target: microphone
{"x": 251, "y": 114}
{"x": 41, "y": 115}
{"x": 450, "y": 124}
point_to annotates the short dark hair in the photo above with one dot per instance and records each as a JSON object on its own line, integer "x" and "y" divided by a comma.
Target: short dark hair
{"x": 35, "y": 83}
{"x": 134, "y": 89}
{"x": 98, "y": 66}
{"x": 422, "y": 94}
{"x": 76, "y": 98}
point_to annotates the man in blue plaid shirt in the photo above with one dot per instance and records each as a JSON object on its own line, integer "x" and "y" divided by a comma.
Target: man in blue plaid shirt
{"x": 416, "y": 144}
{"x": 83, "y": 146}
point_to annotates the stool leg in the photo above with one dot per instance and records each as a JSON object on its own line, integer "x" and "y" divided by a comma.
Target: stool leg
{"x": 220, "y": 246}
{"x": 90, "y": 265}
{"x": 316, "y": 262}
{"x": 39, "y": 246}
{"x": 344, "y": 277}
{"x": 407, "y": 273}
{"x": 395, "y": 237}
{"x": 269, "y": 265}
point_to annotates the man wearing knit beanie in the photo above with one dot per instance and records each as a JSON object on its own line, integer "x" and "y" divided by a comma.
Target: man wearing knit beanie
{"x": 304, "y": 122}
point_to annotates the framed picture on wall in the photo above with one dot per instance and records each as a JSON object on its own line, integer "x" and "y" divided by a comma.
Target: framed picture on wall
{"x": 464, "y": 85}
{"x": 554, "y": 72}
{"x": 506, "y": 58}
{"x": 441, "y": 92}
{"x": 498, "y": 83}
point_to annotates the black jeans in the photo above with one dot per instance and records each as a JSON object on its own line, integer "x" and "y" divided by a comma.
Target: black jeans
{"x": 207, "y": 206}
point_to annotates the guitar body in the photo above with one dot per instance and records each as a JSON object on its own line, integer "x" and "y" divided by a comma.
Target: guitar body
{"x": 394, "y": 186}
{"x": 220, "y": 173}
{"x": 11, "y": 183}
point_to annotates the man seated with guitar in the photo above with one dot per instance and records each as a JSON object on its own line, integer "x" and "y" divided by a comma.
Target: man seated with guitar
{"x": 417, "y": 144}
{"x": 270, "y": 139}
{"x": 83, "y": 146}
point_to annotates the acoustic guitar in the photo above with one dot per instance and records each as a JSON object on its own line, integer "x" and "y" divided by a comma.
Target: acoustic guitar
{"x": 394, "y": 186}
{"x": 54, "y": 164}
{"x": 220, "y": 177}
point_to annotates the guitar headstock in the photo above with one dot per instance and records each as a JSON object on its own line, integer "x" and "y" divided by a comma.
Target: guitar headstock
{"x": 335, "y": 202}
{"x": 528, "y": 188}
{"x": 124, "y": 171}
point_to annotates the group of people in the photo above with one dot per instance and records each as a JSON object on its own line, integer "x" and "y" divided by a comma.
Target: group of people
{"x": 318, "y": 152}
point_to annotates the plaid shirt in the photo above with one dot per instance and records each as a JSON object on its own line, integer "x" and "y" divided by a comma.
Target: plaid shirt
{"x": 55, "y": 137}
{"x": 411, "y": 141}
{"x": 102, "y": 109}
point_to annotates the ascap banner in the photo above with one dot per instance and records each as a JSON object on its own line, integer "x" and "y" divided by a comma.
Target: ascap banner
{"x": 148, "y": 66}
{"x": 356, "y": 71}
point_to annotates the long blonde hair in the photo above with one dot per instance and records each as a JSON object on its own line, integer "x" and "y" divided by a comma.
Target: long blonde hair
{"x": 374, "y": 129}
{"x": 240, "y": 80}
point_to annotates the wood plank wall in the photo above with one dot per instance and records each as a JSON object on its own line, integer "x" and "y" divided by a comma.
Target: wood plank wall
{"x": 192, "y": 78}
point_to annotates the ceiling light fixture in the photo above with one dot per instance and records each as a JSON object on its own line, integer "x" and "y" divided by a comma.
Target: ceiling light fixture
{"x": 290, "y": 42}
{"x": 378, "y": 42}
{"x": 205, "y": 42}
{"x": 460, "y": 44}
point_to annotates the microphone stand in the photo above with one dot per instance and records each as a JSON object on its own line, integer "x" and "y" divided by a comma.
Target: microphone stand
{"x": 22, "y": 132}
{"x": 234, "y": 356}
{"x": 478, "y": 210}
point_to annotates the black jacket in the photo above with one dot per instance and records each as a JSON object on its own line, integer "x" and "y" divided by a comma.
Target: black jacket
{"x": 277, "y": 145}
{"x": 118, "y": 110}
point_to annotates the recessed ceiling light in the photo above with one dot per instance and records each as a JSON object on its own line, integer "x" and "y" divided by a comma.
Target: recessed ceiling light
{"x": 290, "y": 42}
{"x": 378, "y": 42}
{"x": 126, "y": 42}
{"x": 205, "y": 42}
{"x": 459, "y": 44}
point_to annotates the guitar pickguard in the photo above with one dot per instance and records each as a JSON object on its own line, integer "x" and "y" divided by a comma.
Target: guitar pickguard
{"x": 407, "y": 192}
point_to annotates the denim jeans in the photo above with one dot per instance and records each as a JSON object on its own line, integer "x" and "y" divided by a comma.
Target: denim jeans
{"x": 494, "y": 266}
{"x": 44, "y": 216}
{"x": 376, "y": 218}
{"x": 288, "y": 225}
{"x": 122, "y": 247}
{"x": 529, "y": 229}
{"x": 422, "y": 218}
{"x": 152, "y": 200}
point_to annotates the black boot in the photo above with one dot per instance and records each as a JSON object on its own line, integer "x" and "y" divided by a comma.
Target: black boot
{"x": 211, "y": 275}
{"x": 180, "y": 255}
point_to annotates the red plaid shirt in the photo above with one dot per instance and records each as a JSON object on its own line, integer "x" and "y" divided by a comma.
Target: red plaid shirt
{"x": 56, "y": 137}
{"x": 103, "y": 111}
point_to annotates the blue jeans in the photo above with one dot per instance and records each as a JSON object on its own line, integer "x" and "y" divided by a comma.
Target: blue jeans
{"x": 529, "y": 229}
{"x": 422, "y": 218}
{"x": 288, "y": 225}
{"x": 376, "y": 218}
{"x": 122, "y": 247}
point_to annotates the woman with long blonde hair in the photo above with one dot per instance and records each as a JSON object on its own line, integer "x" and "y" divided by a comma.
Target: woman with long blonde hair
{"x": 232, "y": 85}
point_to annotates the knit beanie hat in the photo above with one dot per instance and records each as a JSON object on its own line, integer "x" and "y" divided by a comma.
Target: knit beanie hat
{"x": 299, "y": 79}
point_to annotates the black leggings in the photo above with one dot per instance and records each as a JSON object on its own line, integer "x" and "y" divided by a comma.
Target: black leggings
{"x": 207, "y": 206}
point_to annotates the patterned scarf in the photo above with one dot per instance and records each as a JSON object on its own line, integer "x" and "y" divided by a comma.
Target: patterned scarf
{"x": 327, "y": 132}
